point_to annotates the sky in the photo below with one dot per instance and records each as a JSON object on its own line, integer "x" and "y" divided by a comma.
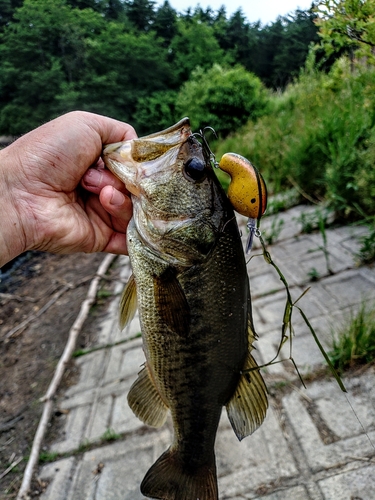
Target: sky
{"x": 254, "y": 10}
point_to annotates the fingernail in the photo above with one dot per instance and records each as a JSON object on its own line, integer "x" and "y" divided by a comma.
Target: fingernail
{"x": 93, "y": 177}
{"x": 117, "y": 198}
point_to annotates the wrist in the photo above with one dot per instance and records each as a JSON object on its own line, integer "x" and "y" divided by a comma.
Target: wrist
{"x": 12, "y": 235}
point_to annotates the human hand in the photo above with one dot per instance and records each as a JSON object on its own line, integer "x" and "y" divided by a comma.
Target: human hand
{"x": 43, "y": 205}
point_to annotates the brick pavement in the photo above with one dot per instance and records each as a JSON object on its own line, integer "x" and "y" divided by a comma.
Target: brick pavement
{"x": 311, "y": 446}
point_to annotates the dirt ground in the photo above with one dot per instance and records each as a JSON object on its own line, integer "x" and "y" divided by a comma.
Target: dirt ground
{"x": 34, "y": 290}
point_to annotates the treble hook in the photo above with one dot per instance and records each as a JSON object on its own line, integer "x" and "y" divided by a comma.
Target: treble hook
{"x": 206, "y": 147}
{"x": 253, "y": 231}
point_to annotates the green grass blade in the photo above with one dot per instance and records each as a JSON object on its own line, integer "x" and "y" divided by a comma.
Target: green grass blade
{"x": 322, "y": 350}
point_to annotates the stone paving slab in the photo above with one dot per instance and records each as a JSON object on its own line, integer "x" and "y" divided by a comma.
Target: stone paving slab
{"x": 295, "y": 493}
{"x": 60, "y": 475}
{"x": 312, "y": 446}
{"x": 358, "y": 484}
{"x": 98, "y": 401}
{"x": 261, "y": 458}
{"x": 326, "y": 427}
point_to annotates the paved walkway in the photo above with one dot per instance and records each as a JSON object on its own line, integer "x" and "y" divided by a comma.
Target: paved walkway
{"x": 311, "y": 447}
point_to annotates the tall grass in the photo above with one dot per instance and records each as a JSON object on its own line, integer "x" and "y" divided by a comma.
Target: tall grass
{"x": 319, "y": 136}
{"x": 354, "y": 344}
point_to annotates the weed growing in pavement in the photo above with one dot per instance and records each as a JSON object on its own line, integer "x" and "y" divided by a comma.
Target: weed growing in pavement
{"x": 366, "y": 252}
{"x": 109, "y": 435}
{"x": 313, "y": 274}
{"x": 103, "y": 294}
{"x": 48, "y": 456}
{"x": 322, "y": 229}
{"x": 271, "y": 235}
{"x": 309, "y": 222}
{"x": 354, "y": 343}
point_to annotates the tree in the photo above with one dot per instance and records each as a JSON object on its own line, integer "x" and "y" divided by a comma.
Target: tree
{"x": 299, "y": 32}
{"x": 347, "y": 24}
{"x": 155, "y": 112}
{"x": 194, "y": 45}
{"x": 7, "y": 8}
{"x": 79, "y": 60}
{"x": 165, "y": 22}
{"x": 96, "y": 5}
{"x": 111, "y": 9}
{"x": 51, "y": 35}
{"x": 114, "y": 9}
{"x": 236, "y": 37}
{"x": 271, "y": 38}
{"x": 206, "y": 16}
{"x": 122, "y": 67}
{"x": 141, "y": 13}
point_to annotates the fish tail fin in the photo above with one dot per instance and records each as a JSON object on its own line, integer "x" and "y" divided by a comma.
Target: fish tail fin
{"x": 169, "y": 479}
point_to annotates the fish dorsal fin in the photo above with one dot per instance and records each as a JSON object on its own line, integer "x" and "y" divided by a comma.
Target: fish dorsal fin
{"x": 146, "y": 402}
{"x": 172, "y": 303}
{"x": 248, "y": 406}
{"x": 128, "y": 303}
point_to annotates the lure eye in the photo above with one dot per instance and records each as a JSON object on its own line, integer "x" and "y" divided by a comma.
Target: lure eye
{"x": 195, "y": 169}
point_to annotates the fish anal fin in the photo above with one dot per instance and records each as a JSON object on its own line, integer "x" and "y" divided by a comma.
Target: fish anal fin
{"x": 169, "y": 479}
{"x": 146, "y": 402}
{"x": 128, "y": 303}
{"x": 172, "y": 303}
{"x": 248, "y": 406}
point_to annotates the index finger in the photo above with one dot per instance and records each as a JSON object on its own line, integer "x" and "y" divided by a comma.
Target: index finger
{"x": 109, "y": 129}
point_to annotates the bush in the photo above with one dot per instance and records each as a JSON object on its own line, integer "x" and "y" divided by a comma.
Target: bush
{"x": 155, "y": 112}
{"x": 319, "y": 136}
{"x": 222, "y": 98}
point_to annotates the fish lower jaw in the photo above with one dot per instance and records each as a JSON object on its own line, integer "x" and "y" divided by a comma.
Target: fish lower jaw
{"x": 133, "y": 189}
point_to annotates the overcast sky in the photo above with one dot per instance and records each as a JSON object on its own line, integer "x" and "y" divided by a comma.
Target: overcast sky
{"x": 264, "y": 10}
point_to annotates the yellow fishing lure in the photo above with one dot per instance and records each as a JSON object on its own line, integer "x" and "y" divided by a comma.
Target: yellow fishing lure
{"x": 247, "y": 191}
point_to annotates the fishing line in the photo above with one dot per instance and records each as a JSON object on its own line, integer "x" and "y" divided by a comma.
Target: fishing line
{"x": 359, "y": 421}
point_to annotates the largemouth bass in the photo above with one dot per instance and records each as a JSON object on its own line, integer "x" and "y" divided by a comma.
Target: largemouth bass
{"x": 191, "y": 287}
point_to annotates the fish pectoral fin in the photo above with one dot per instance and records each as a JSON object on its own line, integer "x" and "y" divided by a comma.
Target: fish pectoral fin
{"x": 128, "y": 303}
{"x": 170, "y": 479}
{"x": 172, "y": 303}
{"x": 248, "y": 406}
{"x": 146, "y": 402}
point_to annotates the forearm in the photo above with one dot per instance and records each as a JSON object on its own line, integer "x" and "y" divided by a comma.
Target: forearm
{"x": 12, "y": 237}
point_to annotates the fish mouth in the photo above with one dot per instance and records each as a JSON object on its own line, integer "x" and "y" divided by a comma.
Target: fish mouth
{"x": 138, "y": 158}
{"x": 117, "y": 158}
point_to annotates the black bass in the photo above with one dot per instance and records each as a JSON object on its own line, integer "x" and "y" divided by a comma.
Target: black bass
{"x": 191, "y": 287}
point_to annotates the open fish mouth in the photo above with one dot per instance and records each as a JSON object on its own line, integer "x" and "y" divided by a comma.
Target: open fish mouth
{"x": 143, "y": 157}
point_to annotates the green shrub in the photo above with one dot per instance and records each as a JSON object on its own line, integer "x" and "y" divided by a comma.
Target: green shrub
{"x": 222, "y": 98}
{"x": 155, "y": 112}
{"x": 318, "y": 136}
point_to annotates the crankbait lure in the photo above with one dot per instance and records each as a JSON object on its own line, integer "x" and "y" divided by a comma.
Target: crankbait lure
{"x": 247, "y": 191}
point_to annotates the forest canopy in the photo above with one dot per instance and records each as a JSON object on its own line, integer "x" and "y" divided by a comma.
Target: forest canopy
{"x": 131, "y": 59}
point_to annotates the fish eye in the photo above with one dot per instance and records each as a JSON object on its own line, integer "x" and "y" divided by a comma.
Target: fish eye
{"x": 195, "y": 169}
